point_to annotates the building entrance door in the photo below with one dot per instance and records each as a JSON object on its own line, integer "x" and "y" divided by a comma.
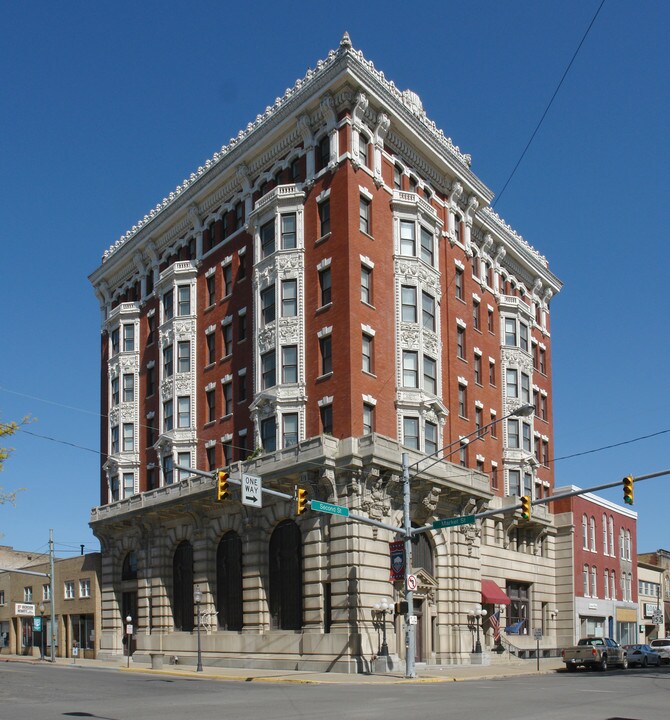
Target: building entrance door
{"x": 419, "y": 635}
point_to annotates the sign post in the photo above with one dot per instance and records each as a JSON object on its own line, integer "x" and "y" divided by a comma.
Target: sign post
{"x": 538, "y": 636}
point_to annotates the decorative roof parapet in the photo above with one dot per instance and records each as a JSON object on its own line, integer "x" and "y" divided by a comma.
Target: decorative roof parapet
{"x": 408, "y": 98}
{"x": 509, "y": 230}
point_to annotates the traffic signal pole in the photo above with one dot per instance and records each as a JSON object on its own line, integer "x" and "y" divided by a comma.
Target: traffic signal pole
{"x": 410, "y": 628}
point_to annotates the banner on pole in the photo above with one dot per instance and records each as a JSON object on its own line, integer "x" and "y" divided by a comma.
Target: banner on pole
{"x": 397, "y": 555}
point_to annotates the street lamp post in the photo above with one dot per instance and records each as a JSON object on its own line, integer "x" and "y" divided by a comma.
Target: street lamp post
{"x": 129, "y": 637}
{"x": 42, "y": 630}
{"x": 381, "y": 608}
{"x": 478, "y": 613}
{"x": 197, "y": 597}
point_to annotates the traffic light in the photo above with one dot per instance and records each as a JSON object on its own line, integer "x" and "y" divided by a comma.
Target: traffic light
{"x": 525, "y": 507}
{"x": 401, "y": 607}
{"x": 628, "y": 492}
{"x": 221, "y": 485}
{"x": 301, "y": 496}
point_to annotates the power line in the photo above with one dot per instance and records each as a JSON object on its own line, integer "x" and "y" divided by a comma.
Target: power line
{"x": 546, "y": 110}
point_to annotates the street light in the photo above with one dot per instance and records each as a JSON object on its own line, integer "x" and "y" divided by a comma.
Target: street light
{"x": 479, "y": 614}
{"x": 381, "y": 608}
{"x": 129, "y": 636}
{"x": 42, "y": 630}
{"x": 197, "y": 597}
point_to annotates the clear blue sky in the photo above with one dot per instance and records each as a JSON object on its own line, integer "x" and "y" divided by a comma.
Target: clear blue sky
{"x": 106, "y": 107}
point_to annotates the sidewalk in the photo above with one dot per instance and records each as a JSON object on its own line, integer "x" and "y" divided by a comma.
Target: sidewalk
{"x": 449, "y": 673}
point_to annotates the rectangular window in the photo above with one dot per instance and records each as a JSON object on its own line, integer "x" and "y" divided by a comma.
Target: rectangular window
{"x": 184, "y": 356}
{"x": 151, "y": 329}
{"x": 168, "y": 305}
{"x": 241, "y": 388}
{"x": 428, "y": 311}
{"x": 241, "y": 267}
{"x": 397, "y": 177}
{"x": 184, "y": 300}
{"x": 525, "y": 388}
{"x": 463, "y": 455}
{"x": 364, "y": 215}
{"x": 210, "y": 454}
{"x": 241, "y": 328}
{"x": 543, "y": 361}
{"x": 128, "y": 437}
{"x": 267, "y": 234}
{"x": 268, "y": 305}
{"x": 290, "y": 429}
{"x": 288, "y": 232}
{"x": 211, "y": 348}
{"x": 46, "y": 593}
{"x": 510, "y": 332}
{"x": 128, "y": 485}
{"x": 515, "y": 482}
{"x": 326, "y": 413}
{"x": 408, "y": 303}
{"x": 325, "y": 286}
{"x": 430, "y": 447}
{"x": 366, "y": 285}
{"x": 513, "y": 433}
{"x": 227, "y": 335}
{"x": 490, "y": 321}
{"x": 211, "y": 290}
{"x": 28, "y": 594}
{"x": 68, "y": 590}
{"x": 363, "y": 150}
{"x": 494, "y": 426}
{"x": 128, "y": 337}
{"x": 458, "y": 283}
{"x": 476, "y": 321}
{"x": 289, "y": 298}
{"x": 295, "y": 170}
{"x": 427, "y": 246}
{"x": 410, "y": 369}
{"x": 268, "y": 370}
{"x": 429, "y": 375}
{"x": 492, "y": 373}
{"x": 115, "y": 341}
{"x": 168, "y": 367}
{"x": 115, "y": 439}
{"x": 168, "y": 470}
{"x": 239, "y": 215}
{"x": 211, "y": 405}
{"x": 289, "y": 363}
{"x": 227, "y": 274}
{"x": 326, "y": 352}
{"x": 527, "y": 442}
{"x": 407, "y": 238}
{"x": 168, "y": 419}
{"x": 478, "y": 420}
{"x": 324, "y": 218}
{"x": 184, "y": 412}
{"x": 460, "y": 342}
{"x": 227, "y": 389}
{"x": 410, "y": 427}
{"x": 323, "y": 153}
{"x": 463, "y": 401}
{"x": 115, "y": 391}
{"x": 478, "y": 369}
{"x": 523, "y": 336}
{"x": 368, "y": 418}
{"x": 368, "y": 347}
{"x": 511, "y": 383}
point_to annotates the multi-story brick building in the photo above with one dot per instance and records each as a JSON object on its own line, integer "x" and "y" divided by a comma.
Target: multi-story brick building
{"x": 661, "y": 558}
{"x": 330, "y": 289}
{"x": 596, "y": 569}
{"x": 25, "y": 596}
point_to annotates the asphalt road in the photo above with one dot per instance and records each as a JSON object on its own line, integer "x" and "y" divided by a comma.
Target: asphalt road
{"x": 37, "y": 692}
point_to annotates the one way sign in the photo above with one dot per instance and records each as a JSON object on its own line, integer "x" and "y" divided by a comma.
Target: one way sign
{"x": 252, "y": 490}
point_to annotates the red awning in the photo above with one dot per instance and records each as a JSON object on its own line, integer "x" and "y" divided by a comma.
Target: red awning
{"x": 493, "y": 594}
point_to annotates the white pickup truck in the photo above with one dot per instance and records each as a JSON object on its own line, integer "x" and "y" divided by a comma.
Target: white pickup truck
{"x": 595, "y": 652}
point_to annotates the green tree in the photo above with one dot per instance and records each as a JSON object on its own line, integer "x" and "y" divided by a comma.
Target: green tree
{"x": 7, "y": 429}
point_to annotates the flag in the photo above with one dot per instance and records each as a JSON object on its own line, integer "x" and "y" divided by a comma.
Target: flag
{"x": 495, "y": 624}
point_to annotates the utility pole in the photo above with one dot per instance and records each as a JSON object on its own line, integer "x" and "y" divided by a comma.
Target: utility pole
{"x": 410, "y": 628}
{"x": 52, "y": 594}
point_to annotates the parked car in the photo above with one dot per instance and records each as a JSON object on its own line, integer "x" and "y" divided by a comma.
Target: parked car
{"x": 596, "y": 653}
{"x": 642, "y": 655}
{"x": 662, "y": 647}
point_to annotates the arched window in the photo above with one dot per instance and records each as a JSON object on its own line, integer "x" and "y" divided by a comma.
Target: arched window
{"x": 611, "y": 533}
{"x": 628, "y": 548}
{"x": 586, "y": 580}
{"x": 182, "y": 586}
{"x": 594, "y": 582}
{"x": 422, "y": 553}
{"x": 605, "y": 551}
{"x": 613, "y": 585}
{"x": 229, "y": 582}
{"x": 129, "y": 569}
{"x": 285, "y": 597}
{"x": 585, "y": 533}
{"x": 606, "y": 584}
{"x": 593, "y": 533}
{"x": 622, "y": 549}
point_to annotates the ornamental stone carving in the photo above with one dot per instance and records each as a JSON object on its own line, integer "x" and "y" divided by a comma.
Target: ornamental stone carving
{"x": 376, "y": 503}
{"x": 167, "y": 390}
{"x": 166, "y": 336}
{"x": 430, "y": 343}
{"x": 183, "y": 383}
{"x": 410, "y": 336}
{"x": 289, "y": 330}
{"x": 289, "y": 263}
{"x": 114, "y": 416}
{"x": 266, "y": 339}
{"x": 184, "y": 328}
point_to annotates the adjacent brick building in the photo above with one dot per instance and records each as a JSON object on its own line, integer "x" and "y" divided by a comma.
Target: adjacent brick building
{"x": 330, "y": 289}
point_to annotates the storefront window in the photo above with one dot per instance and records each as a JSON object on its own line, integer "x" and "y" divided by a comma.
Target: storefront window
{"x": 83, "y": 631}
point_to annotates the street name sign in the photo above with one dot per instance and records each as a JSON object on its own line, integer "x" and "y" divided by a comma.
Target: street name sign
{"x": 454, "y": 521}
{"x": 252, "y": 491}
{"x": 329, "y": 508}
